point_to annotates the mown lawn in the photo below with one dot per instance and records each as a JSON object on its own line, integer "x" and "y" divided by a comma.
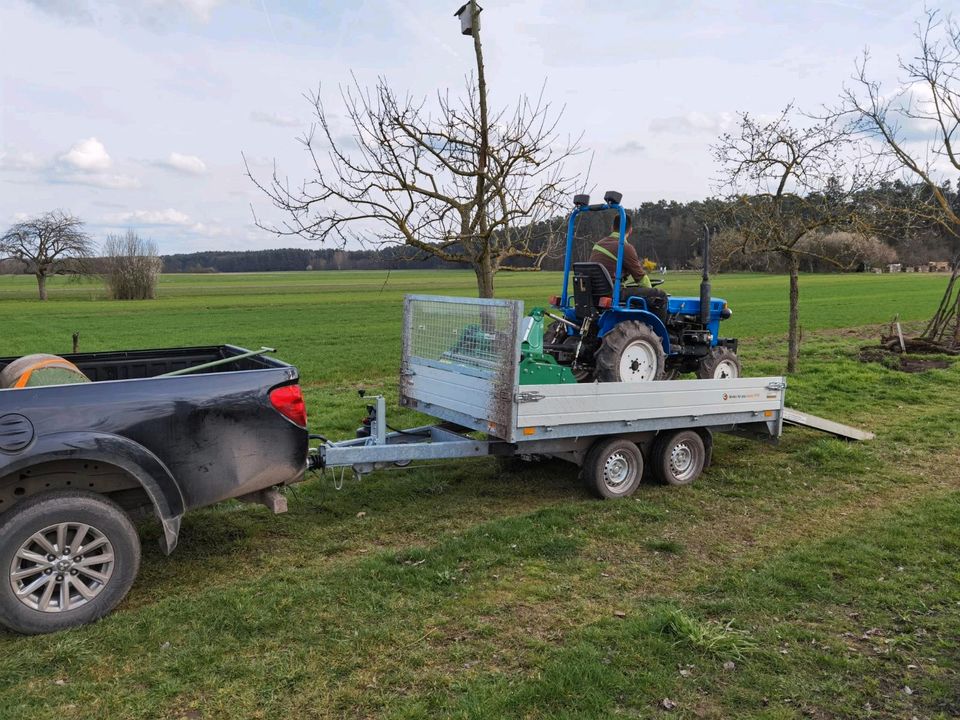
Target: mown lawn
{"x": 813, "y": 579}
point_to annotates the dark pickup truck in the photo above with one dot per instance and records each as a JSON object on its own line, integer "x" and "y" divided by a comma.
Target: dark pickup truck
{"x": 77, "y": 460}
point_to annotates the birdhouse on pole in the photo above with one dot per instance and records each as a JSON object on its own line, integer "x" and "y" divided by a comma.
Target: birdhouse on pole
{"x": 467, "y": 15}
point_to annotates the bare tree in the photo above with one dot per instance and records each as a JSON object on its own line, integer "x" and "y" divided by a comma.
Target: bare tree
{"x": 846, "y": 250}
{"x": 786, "y": 182}
{"x": 12, "y": 266}
{"x": 452, "y": 179}
{"x": 917, "y": 126}
{"x": 51, "y": 244}
{"x": 131, "y": 266}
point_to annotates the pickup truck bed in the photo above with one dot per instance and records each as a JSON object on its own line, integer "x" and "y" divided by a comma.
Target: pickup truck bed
{"x": 131, "y": 438}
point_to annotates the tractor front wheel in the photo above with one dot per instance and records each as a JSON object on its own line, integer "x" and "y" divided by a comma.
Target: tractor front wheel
{"x": 721, "y": 364}
{"x": 631, "y": 352}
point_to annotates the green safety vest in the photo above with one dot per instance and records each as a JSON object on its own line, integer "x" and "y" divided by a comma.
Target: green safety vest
{"x": 642, "y": 282}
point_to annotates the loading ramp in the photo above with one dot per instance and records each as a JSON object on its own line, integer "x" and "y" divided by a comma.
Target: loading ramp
{"x": 845, "y": 432}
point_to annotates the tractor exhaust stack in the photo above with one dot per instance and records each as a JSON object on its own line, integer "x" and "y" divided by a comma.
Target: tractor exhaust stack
{"x": 705, "y": 283}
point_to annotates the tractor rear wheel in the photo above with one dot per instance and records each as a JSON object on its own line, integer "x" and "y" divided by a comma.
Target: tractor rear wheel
{"x": 631, "y": 352}
{"x": 721, "y": 364}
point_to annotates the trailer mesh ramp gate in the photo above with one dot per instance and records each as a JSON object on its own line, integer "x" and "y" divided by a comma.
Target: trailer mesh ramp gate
{"x": 460, "y": 360}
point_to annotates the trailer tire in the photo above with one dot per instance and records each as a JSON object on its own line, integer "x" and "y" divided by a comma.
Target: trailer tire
{"x": 721, "y": 363}
{"x": 613, "y": 468}
{"x": 631, "y": 352}
{"x": 30, "y": 535}
{"x": 678, "y": 457}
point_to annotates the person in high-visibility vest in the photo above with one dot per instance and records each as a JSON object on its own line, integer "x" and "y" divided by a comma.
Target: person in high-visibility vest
{"x": 605, "y": 253}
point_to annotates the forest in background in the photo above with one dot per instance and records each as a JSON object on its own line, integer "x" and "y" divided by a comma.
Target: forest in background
{"x": 667, "y": 232}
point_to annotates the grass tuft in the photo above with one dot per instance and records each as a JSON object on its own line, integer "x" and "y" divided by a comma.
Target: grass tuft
{"x": 709, "y": 636}
{"x": 835, "y": 457}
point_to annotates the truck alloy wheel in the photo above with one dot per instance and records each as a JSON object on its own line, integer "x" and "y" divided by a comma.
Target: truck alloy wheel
{"x": 69, "y": 557}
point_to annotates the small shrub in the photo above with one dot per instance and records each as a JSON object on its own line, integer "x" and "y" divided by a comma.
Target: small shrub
{"x": 131, "y": 267}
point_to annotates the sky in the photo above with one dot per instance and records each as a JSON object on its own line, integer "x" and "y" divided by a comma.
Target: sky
{"x": 138, "y": 113}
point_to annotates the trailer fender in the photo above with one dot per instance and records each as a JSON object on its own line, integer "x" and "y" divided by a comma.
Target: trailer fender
{"x": 131, "y": 457}
{"x": 707, "y": 437}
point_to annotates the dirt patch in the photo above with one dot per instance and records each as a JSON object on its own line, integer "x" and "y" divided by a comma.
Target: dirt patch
{"x": 914, "y": 366}
{"x": 897, "y": 361}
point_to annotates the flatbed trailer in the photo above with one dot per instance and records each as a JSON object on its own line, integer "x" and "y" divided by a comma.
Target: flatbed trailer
{"x": 461, "y": 365}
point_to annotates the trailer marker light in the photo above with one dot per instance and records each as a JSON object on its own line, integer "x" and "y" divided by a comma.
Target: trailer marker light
{"x": 768, "y": 413}
{"x": 529, "y": 431}
{"x": 288, "y": 401}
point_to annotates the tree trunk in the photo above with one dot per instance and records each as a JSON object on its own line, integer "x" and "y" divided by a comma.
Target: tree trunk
{"x": 484, "y": 125}
{"x": 42, "y": 285}
{"x": 485, "y": 272}
{"x": 793, "y": 334}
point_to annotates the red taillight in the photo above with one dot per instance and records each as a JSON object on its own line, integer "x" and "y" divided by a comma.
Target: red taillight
{"x": 288, "y": 401}
{"x": 605, "y": 302}
{"x": 555, "y": 300}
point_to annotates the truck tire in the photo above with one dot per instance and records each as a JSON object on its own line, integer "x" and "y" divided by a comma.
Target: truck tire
{"x": 631, "y": 352}
{"x": 678, "y": 457}
{"x": 721, "y": 363}
{"x": 50, "y": 583}
{"x": 613, "y": 468}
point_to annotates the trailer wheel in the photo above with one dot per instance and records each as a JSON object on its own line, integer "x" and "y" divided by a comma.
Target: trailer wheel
{"x": 721, "y": 363}
{"x": 678, "y": 458}
{"x": 631, "y": 352}
{"x": 69, "y": 558}
{"x": 613, "y": 468}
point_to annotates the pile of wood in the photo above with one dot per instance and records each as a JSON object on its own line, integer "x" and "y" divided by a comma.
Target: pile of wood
{"x": 895, "y": 341}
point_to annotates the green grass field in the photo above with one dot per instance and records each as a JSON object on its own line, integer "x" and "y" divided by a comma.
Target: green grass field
{"x": 813, "y": 579}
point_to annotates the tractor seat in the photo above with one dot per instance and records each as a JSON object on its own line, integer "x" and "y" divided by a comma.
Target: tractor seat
{"x": 591, "y": 281}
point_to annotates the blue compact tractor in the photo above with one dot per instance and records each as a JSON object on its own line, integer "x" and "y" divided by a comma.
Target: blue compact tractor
{"x": 605, "y": 333}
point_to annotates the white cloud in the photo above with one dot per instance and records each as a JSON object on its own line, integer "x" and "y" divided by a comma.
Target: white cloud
{"x": 170, "y": 216}
{"x": 190, "y": 164}
{"x": 149, "y": 12}
{"x": 630, "y": 147}
{"x": 209, "y": 230}
{"x": 16, "y": 160}
{"x": 88, "y": 155}
{"x": 111, "y": 182}
{"x": 78, "y": 10}
{"x": 273, "y": 118}
{"x": 200, "y": 9}
{"x": 691, "y": 123}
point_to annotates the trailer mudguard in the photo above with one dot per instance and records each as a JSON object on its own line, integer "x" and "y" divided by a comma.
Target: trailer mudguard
{"x": 131, "y": 457}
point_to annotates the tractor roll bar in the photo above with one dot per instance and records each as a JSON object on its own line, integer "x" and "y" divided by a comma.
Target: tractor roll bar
{"x": 569, "y": 254}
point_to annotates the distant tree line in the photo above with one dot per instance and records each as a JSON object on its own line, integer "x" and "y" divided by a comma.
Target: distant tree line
{"x": 667, "y": 232}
